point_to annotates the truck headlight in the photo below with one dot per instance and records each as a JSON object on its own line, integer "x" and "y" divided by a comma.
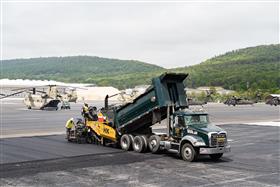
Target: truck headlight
{"x": 190, "y": 131}
{"x": 199, "y": 143}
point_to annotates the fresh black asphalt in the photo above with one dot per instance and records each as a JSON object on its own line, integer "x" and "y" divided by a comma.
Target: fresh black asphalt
{"x": 254, "y": 161}
{"x": 52, "y": 161}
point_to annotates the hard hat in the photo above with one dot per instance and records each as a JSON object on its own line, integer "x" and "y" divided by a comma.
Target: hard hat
{"x": 72, "y": 119}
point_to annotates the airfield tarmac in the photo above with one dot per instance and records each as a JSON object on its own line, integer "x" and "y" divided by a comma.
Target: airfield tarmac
{"x": 49, "y": 160}
{"x": 17, "y": 121}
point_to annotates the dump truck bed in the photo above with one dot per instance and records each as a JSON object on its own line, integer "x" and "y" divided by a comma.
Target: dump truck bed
{"x": 151, "y": 107}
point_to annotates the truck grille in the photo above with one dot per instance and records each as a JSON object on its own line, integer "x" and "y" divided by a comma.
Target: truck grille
{"x": 218, "y": 139}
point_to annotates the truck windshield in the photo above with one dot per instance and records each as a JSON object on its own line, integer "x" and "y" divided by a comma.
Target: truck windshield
{"x": 196, "y": 119}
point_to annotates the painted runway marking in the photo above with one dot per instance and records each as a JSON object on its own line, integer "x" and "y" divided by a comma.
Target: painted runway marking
{"x": 270, "y": 123}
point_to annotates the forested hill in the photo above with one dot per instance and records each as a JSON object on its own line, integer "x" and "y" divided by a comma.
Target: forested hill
{"x": 72, "y": 69}
{"x": 256, "y": 67}
{"x": 263, "y": 53}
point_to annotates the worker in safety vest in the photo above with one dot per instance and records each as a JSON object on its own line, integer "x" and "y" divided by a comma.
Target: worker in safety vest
{"x": 85, "y": 110}
{"x": 101, "y": 117}
{"x": 69, "y": 125}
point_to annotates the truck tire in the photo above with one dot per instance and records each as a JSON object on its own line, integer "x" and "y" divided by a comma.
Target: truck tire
{"x": 131, "y": 138}
{"x": 146, "y": 145}
{"x": 138, "y": 144}
{"x": 154, "y": 143}
{"x": 216, "y": 156}
{"x": 188, "y": 153}
{"x": 125, "y": 142}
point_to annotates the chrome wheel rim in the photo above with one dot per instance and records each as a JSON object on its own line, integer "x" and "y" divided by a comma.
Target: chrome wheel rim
{"x": 137, "y": 145}
{"x": 153, "y": 143}
{"x": 124, "y": 144}
{"x": 188, "y": 153}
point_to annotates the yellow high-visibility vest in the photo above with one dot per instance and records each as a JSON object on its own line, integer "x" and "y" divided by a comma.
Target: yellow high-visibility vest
{"x": 69, "y": 124}
{"x": 85, "y": 109}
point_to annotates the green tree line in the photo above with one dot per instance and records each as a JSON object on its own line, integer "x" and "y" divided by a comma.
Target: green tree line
{"x": 253, "y": 68}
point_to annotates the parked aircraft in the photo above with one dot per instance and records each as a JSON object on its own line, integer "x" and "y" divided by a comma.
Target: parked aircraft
{"x": 273, "y": 99}
{"x": 239, "y": 101}
{"x": 44, "y": 100}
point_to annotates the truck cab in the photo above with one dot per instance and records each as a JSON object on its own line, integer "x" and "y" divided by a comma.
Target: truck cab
{"x": 192, "y": 134}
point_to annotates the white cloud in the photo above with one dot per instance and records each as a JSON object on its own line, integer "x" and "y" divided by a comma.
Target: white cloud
{"x": 166, "y": 34}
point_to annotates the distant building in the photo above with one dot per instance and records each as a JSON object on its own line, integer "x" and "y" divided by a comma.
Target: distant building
{"x": 199, "y": 90}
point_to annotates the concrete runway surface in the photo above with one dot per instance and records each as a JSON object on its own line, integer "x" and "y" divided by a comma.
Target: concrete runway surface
{"x": 51, "y": 161}
{"x": 17, "y": 121}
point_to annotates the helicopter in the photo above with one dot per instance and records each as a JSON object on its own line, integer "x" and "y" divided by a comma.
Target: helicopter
{"x": 70, "y": 96}
{"x": 44, "y": 100}
{"x": 273, "y": 99}
{"x": 128, "y": 95}
{"x": 239, "y": 101}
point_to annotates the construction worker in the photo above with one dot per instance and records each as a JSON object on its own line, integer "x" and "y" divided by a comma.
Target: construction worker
{"x": 101, "y": 117}
{"x": 93, "y": 113}
{"x": 85, "y": 110}
{"x": 69, "y": 125}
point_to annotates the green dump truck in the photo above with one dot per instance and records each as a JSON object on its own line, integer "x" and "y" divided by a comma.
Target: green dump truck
{"x": 188, "y": 133}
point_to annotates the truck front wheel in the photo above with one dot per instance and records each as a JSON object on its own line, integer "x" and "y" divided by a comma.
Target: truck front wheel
{"x": 125, "y": 142}
{"x": 188, "y": 153}
{"x": 216, "y": 156}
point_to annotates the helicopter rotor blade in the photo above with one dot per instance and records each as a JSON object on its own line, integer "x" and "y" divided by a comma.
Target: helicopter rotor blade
{"x": 17, "y": 89}
{"x": 50, "y": 85}
{"x": 75, "y": 87}
{"x": 41, "y": 91}
{"x": 32, "y": 87}
{"x": 12, "y": 94}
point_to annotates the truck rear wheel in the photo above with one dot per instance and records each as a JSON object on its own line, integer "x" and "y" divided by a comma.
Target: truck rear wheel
{"x": 154, "y": 142}
{"x": 188, "y": 153}
{"x": 131, "y": 138}
{"x": 125, "y": 142}
{"x": 138, "y": 144}
{"x": 146, "y": 143}
{"x": 216, "y": 156}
